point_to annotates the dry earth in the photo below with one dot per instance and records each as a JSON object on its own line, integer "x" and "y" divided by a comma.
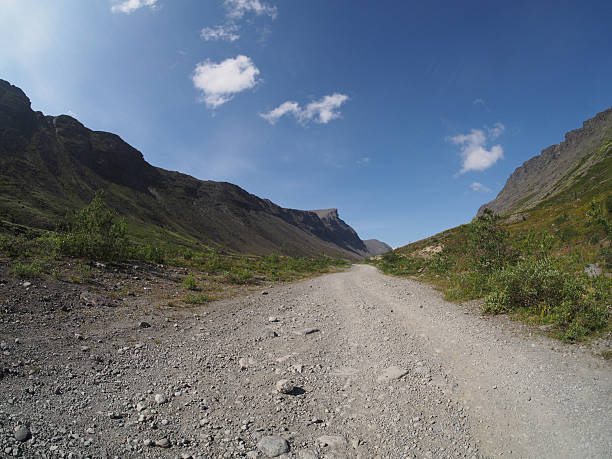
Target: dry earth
{"x": 375, "y": 366}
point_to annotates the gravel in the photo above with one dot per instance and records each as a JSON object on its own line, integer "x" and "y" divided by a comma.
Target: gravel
{"x": 392, "y": 371}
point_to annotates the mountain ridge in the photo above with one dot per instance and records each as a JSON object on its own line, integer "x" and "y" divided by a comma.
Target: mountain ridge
{"x": 550, "y": 172}
{"x": 50, "y": 164}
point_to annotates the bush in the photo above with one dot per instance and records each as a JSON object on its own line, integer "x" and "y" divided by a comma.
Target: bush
{"x": 487, "y": 243}
{"x": 195, "y": 298}
{"x": 190, "y": 283}
{"x": 34, "y": 270}
{"x": 544, "y": 290}
{"x": 94, "y": 232}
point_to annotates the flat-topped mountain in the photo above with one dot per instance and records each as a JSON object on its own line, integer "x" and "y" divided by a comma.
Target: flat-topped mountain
{"x": 53, "y": 164}
{"x": 556, "y": 168}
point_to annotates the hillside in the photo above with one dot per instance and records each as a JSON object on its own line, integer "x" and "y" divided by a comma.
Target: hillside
{"x": 547, "y": 258}
{"x": 50, "y": 165}
{"x": 557, "y": 168}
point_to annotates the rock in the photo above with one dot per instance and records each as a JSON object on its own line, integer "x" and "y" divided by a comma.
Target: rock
{"x": 546, "y": 327}
{"x": 593, "y": 271}
{"x": 392, "y": 373}
{"x": 332, "y": 441}
{"x": 270, "y": 334}
{"x": 160, "y": 399}
{"x": 305, "y": 331}
{"x": 284, "y": 386}
{"x": 307, "y": 454}
{"x": 163, "y": 443}
{"x": 140, "y": 406}
{"x": 144, "y": 324}
{"x": 272, "y": 319}
{"x": 264, "y": 293}
{"x": 147, "y": 442}
{"x": 273, "y": 446}
{"x": 22, "y": 433}
{"x": 246, "y": 363}
{"x": 27, "y": 284}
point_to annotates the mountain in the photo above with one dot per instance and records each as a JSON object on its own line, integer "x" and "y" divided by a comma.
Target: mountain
{"x": 558, "y": 167}
{"x": 53, "y": 164}
{"x": 376, "y": 247}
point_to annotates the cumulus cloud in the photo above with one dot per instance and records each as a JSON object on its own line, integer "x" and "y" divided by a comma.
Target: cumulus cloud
{"x": 320, "y": 111}
{"x": 474, "y": 153}
{"x": 129, "y": 6}
{"x": 226, "y": 32}
{"x": 236, "y": 9}
{"x": 478, "y": 101}
{"x": 475, "y": 186}
{"x": 219, "y": 82}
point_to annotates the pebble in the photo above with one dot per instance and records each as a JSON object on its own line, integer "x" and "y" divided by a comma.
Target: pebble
{"x": 392, "y": 373}
{"x": 284, "y": 386}
{"x": 306, "y": 331}
{"x": 332, "y": 441}
{"x": 140, "y": 406}
{"x": 22, "y": 433}
{"x": 273, "y": 446}
{"x": 163, "y": 443}
{"x": 160, "y": 399}
{"x": 144, "y": 324}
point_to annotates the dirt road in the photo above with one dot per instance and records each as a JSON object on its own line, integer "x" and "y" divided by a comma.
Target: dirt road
{"x": 380, "y": 367}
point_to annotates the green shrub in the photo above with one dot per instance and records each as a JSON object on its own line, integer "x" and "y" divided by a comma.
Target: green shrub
{"x": 196, "y": 298}
{"x": 239, "y": 276}
{"x": 190, "y": 283}
{"x": 544, "y": 290}
{"x": 34, "y": 270}
{"x": 94, "y": 232}
{"x": 488, "y": 248}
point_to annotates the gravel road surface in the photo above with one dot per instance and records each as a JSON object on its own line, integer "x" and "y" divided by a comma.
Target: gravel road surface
{"x": 351, "y": 364}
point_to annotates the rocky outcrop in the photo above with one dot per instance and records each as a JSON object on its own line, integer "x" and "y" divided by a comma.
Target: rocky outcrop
{"x": 50, "y": 165}
{"x": 549, "y": 173}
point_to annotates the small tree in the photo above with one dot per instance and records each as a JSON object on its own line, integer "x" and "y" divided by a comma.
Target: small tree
{"x": 95, "y": 232}
{"x": 487, "y": 242}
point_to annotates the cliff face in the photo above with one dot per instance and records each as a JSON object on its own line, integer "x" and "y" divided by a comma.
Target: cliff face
{"x": 376, "y": 247}
{"x": 49, "y": 165}
{"x": 555, "y": 168}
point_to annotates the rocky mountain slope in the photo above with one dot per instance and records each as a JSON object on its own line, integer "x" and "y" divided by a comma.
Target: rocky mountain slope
{"x": 557, "y": 167}
{"x": 376, "y": 247}
{"x": 50, "y": 165}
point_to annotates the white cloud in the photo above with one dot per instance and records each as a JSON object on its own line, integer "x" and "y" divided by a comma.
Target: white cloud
{"x": 129, "y": 6}
{"x": 479, "y": 101}
{"x": 475, "y": 155}
{"x": 320, "y": 111}
{"x": 224, "y": 32}
{"x": 236, "y": 9}
{"x": 364, "y": 160}
{"x": 220, "y": 82}
{"x": 479, "y": 187}
{"x": 497, "y": 130}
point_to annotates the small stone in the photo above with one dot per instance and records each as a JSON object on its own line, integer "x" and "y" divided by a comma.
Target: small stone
{"x": 164, "y": 422}
{"x": 273, "y": 446}
{"x": 22, "y": 433}
{"x": 140, "y": 406}
{"x": 272, "y": 319}
{"x": 332, "y": 441}
{"x": 264, "y": 293}
{"x": 144, "y": 324}
{"x": 593, "y": 271}
{"x": 306, "y": 331}
{"x": 391, "y": 373}
{"x": 163, "y": 443}
{"x": 160, "y": 399}
{"x": 27, "y": 284}
{"x": 284, "y": 386}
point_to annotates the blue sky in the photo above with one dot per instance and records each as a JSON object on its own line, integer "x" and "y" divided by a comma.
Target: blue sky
{"x": 406, "y": 116}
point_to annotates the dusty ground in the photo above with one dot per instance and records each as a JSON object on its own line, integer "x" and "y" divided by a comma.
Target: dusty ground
{"x": 380, "y": 367}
